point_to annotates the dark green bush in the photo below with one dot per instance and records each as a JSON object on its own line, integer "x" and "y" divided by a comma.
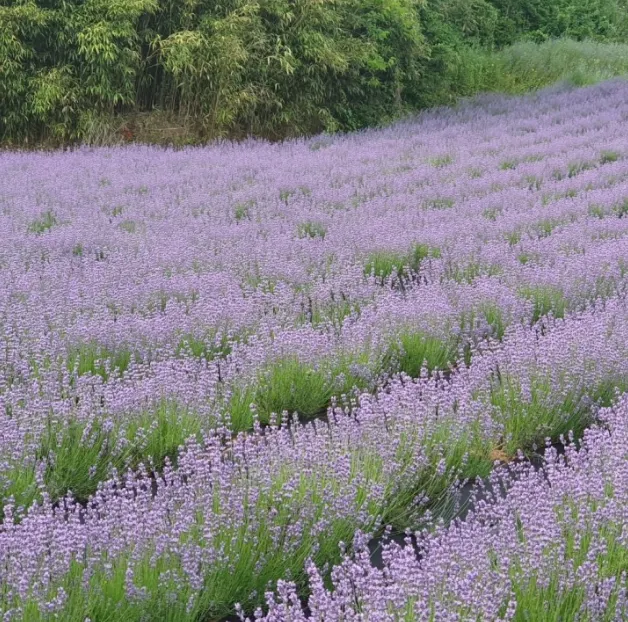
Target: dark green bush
{"x": 539, "y": 20}
{"x": 92, "y": 70}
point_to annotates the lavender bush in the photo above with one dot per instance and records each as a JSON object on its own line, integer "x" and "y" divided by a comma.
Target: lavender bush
{"x": 552, "y": 548}
{"x": 217, "y": 364}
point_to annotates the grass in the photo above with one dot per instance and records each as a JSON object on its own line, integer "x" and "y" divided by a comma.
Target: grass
{"x": 129, "y": 226}
{"x": 419, "y": 253}
{"x": 533, "y": 182}
{"x": 528, "y": 421}
{"x": 607, "y": 156}
{"x": 243, "y": 572}
{"x": 44, "y": 223}
{"x": 311, "y": 230}
{"x": 544, "y": 598}
{"x": 447, "y": 462}
{"x": 242, "y": 211}
{"x": 529, "y": 66}
{"x": 74, "y": 456}
{"x": 332, "y": 313}
{"x": 513, "y": 238}
{"x": 415, "y": 350}
{"x": 384, "y": 264}
{"x": 78, "y": 456}
{"x": 597, "y": 211}
{"x": 99, "y": 360}
{"x": 440, "y": 203}
{"x": 545, "y": 300}
{"x": 210, "y": 345}
{"x": 467, "y": 273}
{"x": 605, "y": 392}
{"x": 618, "y": 210}
{"x": 621, "y": 209}
{"x": 295, "y": 387}
{"x": 575, "y": 168}
{"x": 441, "y": 161}
{"x": 156, "y": 435}
{"x": 487, "y": 315}
{"x": 492, "y": 213}
{"x": 545, "y": 227}
{"x": 158, "y": 300}
{"x": 494, "y": 318}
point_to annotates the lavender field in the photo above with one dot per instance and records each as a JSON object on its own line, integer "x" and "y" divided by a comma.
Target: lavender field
{"x": 232, "y": 376}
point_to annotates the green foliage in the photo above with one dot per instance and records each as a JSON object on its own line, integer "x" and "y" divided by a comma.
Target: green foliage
{"x": 128, "y": 225}
{"x": 494, "y": 317}
{"x": 75, "y": 456}
{"x": 291, "y": 386}
{"x": 331, "y": 313}
{"x": 414, "y": 350}
{"x": 274, "y": 67}
{"x": 44, "y": 223}
{"x": 621, "y": 209}
{"x": 608, "y": 156}
{"x": 545, "y": 227}
{"x": 529, "y": 417}
{"x": 441, "y": 161}
{"x": 156, "y": 435}
{"x": 491, "y": 213}
{"x": 487, "y": 318}
{"x": 294, "y": 387}
{"x": 538, "y": 598}
{"x": 242, "y": 211}
{"x": 440, "y": 203}
{"x": 311, "y": 230}
{"x": 470, "y": 271}
{"x": 67, "y": 64}
{"x": 618, "y": 210}
{"x": 98, "y": 360}
{"x": 420, "y": 252}
{"x": 575, "y": 168}
{"x": 528, "y": 66}
{"x": 210, "y": 346}
{"x": 383, "y": 264}
{"x": 85, "y": 70}
{"x": 540, "y": 20}
{"x": 545, "y": 300}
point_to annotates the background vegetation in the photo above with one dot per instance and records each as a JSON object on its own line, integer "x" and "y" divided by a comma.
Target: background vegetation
{"x": 186, "y": 70}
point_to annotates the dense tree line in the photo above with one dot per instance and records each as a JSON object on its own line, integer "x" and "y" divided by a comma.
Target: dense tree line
{"x": 265, "y": 67}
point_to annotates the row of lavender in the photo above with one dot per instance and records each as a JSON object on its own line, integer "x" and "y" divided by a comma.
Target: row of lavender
{"x": 149, "y": 298}
{"x": 136, "y": 246}
{"x": 553, "y": 548}
{"x": 239, "y": 513}
{"x": 194, "y": 265}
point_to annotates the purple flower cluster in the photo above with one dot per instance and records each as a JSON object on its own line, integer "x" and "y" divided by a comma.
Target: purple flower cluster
{"x": 433, "y": 297}
{"x": 552, "y": 547}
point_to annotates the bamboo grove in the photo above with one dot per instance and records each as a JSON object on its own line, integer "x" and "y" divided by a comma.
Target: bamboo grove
{"x": 76, "y": 70}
